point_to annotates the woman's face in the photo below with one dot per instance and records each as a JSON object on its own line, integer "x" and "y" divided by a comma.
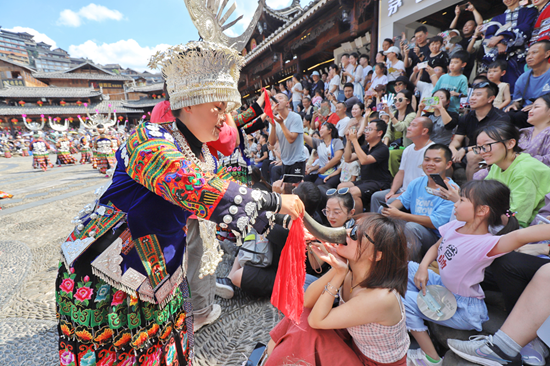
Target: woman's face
{"x": 401, "y": 102}
{"x": 205, "y": 121}
{"x": 443, "y": 98}
{"x": 539, "y": 113}
{"x": 399, "y": 85}
{"x": 324, "y": 131}
{"x": 380, "y": 57}
{"x": 353, "y": 60}
{"x": 497, "y": 152}
{"x": 336, "y": 214}
{"x": 349, "y": 251}
{"x": 356, "y": 111}
{"x": 435, "y": 47}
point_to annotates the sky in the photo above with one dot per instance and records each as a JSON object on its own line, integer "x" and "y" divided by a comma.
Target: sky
{"x": 116, "y": 31}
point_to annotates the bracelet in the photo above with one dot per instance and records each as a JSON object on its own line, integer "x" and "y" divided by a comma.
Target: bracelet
{"x": 334, "y": 288}
{"x": 278, "y": 205}
{"x": 330, "y": 293}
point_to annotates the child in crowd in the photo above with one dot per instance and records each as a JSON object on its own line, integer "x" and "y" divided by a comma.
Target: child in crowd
{"x": 496, "y": 71}
{"x": 379, "y": 77}
{"x": 368, "y": 327}
{"x": 465, "y": 249}
{"x": 455, "y": 82}
{"x": 437, "y": 57}
{"x": 318, "y": 98}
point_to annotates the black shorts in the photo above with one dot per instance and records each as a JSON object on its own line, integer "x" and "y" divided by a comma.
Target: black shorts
{"x": 298, "y": 168}
{"x": 258, "y": 282}
{"x": 368, "y": 188}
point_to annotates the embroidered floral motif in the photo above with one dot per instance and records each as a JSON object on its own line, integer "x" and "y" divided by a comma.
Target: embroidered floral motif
{"x": 118, "y": 298}
{"x": 88, "y": 359}
{"x": 67, "y": 285}
{"x": 84, "y": 293}
{"x": 102, "y": 292}
{"x": 66, "y": 358}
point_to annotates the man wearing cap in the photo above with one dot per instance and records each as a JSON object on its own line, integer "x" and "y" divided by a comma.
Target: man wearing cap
{"x": 395, "y": 66}
{"x": 317, "y": 84}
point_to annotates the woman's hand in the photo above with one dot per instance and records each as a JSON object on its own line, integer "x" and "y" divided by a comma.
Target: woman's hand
{"x": 327, "y": 253}
{"x": 291, "y": 205}
{"x": 452, "y": 194}
{"x": 421, "y": 279}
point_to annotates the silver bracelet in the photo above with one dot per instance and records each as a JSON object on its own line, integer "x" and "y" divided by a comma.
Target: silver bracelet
{"x": 330, "y": 293}
{"x": 334, "y": 288}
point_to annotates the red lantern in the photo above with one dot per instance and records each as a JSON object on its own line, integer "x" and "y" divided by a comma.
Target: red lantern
{"x": 21, "y": 103}
{"x": 40, "y": 103}
{"x": 29, "y": 120}
{"x": 71, "y": 119}
{"x": 154, "y": 96}
{"x": 120, "y": 118}
{"x": 63, "y": 103}
{"x": 78, "y": 103}
{"x": 14, "y": 120}
{"x": 163, "y": 95}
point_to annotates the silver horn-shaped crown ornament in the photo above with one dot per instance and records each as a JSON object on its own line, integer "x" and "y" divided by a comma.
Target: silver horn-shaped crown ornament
{"x": 209, "y": 21}
{"x": 98, "y": 118}
{"x": 58, "y": 127}
{"x": 329, "y": 234}
{"x": 33, "y": 126}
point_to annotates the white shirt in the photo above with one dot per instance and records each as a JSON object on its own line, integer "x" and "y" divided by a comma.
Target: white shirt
{"x": 366, "y": 71}
{"x": 341, "y": 125}
{"x": 394, "y": 70}
{"x": 411, "y": 164}
{"x": 382, "y": 80}
{"x": 335, "y": 81}
{"x": 425, "y": 89}
{"x": 296, "y": 96}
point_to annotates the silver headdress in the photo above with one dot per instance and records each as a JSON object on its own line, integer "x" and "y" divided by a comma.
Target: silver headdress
{"x": 33, "y": 126}
{"x": 207, "y": 71}
{"x": 98, "y": 119}
{"x": 57, "y": 127}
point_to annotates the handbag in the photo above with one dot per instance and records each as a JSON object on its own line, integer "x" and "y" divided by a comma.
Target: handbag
{"x": 256, "y": 251}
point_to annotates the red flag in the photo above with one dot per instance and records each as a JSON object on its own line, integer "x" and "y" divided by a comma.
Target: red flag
{"x": 267, "y": 106}
{"x": 288, "y": 290}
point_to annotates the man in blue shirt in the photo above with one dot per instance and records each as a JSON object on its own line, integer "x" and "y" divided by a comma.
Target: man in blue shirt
{"x": 531, "y": 84}
{"x": 428, "y": 211}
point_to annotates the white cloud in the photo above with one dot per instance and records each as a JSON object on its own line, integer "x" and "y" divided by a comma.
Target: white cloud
{"x": 38, "y": 37}
{"x": 93, "y": 12}
{"x": 126, "y": 53}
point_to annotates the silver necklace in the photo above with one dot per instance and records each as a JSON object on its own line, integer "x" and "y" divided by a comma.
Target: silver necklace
{"x": 208, "y": 165}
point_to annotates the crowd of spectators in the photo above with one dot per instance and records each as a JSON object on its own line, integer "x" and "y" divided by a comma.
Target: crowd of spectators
{"x": 448, "y": 133}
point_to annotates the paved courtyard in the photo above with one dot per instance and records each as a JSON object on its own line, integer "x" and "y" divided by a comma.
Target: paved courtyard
{"x": 32, "y": 226}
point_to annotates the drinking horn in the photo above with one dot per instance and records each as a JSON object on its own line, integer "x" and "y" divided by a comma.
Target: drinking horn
{"x": 329, "y": 234}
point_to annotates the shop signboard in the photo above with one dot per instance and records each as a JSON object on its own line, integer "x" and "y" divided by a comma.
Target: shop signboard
{"x": 13, "y": 82}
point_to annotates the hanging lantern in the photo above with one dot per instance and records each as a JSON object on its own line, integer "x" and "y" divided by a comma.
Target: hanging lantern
{"x": 29, "y": 120}
{"x": 71, "y": 119}
{"x": 154, "y": 96}
{"x": 164, "y": 95}
{"x": 40, "y": 103}
{"x": 21, "y": 103}
{"x": 120, "y": 118}
{"x": 14, "y": 120}
{"x": 63, "y": 103}
{"x": 78, "y": 103}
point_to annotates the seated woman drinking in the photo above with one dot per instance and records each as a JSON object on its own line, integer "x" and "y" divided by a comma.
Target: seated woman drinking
{"x": 369, "y": 275}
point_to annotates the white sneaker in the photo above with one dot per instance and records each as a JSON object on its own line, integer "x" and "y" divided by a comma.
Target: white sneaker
{"x": 211, "y": 318}
{"x": 534, "y": 353}
{"x": 417, "y": 357}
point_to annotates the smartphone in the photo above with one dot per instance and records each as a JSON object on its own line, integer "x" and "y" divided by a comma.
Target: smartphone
{"x": 438, "y": 180}
{"x": 434, "y": 192}
{"x": 384, "y": 204}
{"x": 422, "y": 65}
{"x": 292, "y": 178}
{"x": 256, "y": 355}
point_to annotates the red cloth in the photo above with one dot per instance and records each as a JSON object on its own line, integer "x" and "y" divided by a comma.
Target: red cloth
{"x": 225, "y": 143}
{"x": 303, "y": 345}
{"x": 288, "y": 290}
{"x": 333, "y": 119}
{"x": 267, "y": 106}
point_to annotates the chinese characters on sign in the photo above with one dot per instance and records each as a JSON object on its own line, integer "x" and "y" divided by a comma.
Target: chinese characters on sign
{"x": 14, "y": 82}
{"x": 394, "y": 5}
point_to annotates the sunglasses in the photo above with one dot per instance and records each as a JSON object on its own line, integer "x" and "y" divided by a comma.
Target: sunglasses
{"x": 353, "y": 235}
{"x": 483, "y": 84}
{"x": 341, "y": 191}
{"x": 400, "y": 100}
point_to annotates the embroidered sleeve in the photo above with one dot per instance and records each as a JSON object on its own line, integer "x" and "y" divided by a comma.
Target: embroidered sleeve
{"x": 152, "y": 159}
{"x": 248, "y": 115}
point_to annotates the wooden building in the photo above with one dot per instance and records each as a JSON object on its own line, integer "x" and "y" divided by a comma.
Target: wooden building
{"x": 305, "y": 40}
{"x": 17, "y": 74}
{"x": 87, "y": 75}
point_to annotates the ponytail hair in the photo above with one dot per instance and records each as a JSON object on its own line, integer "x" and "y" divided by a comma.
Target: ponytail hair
{"x": 496, "y": 196}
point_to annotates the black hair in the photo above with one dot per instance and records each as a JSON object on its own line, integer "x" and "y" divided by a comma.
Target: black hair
{"x": 436, "y": 39}
{"x": 389, "y": 238}
{"x": 382, "y": 53}
{"x": 333, "y": 66}
{"x": 503, "y": 65}
{"x": 332, "y": 129}
{"x": 310, "y": 195}
{"x": 355, "y": 55}
{"x": 480, "y": 78}
{"x": 446, "y": 92}
{"x": 422, "y": 28}
{"x": 447, "y": 152}
{"x": 264, "y": 136}
{"x": 462, "y": 55}
{"x": 501, "y": 132}
{"x": 346, "y": 201}
{"x": 297, "y": 76}
{"x": 348, "y": 85}
{"x": 380, "y": 125}
{"x": 389, "y": 40}
{"x": 407, "y": 93}
{"x": 344, "y": 54}
{"x": 545, "y": 43}
{"x": 370, "y": 72}
{"x": 307, "y": 117}
{"x": 382, "y": 66}
{"x": 256, "y": 177}
{"x": 496, "y": 196}
{"x": 546, "y": 99}
{"x": 306, "y": 97}
{"x": 361, "y": 105}
{"x": 364, "y": 56}
{"x": 492, "y": 88}
{"x": 319, "y": 91}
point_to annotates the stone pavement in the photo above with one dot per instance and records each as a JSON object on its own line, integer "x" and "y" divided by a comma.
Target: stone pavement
{"x": 32, "y": 226}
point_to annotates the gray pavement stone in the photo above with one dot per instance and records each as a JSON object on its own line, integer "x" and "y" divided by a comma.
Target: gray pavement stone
{"x": 15, "y": 261}
{"x": 36, "y": 195}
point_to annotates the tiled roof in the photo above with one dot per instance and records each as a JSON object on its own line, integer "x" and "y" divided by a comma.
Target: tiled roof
{"x": 143, "y": 103}
{"x": 47, "y": 92}
{"x": 79, "y": 75}
{"x": 16, "y": 63}
{"x": 102, "y": 107}
{"x": 289, "y": 26}
{"x": 146, "y": 88}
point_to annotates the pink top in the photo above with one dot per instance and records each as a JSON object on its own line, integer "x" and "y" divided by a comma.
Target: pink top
{"x": 462, "y": 259}
{"x": 382, "y": 343}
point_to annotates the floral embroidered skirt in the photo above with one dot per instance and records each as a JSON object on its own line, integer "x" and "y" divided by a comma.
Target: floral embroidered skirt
{"x": 105, "y": 161}
{"x": 85, "y": 157}
{"x": 65, "y": 158}
{"x": 100, "y": 325}
{"x": 41, "y": 162}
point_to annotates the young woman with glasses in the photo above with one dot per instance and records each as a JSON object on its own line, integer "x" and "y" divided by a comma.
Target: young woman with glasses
{"x": 368, "y": 276}
{"x": 527, "y": 177}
